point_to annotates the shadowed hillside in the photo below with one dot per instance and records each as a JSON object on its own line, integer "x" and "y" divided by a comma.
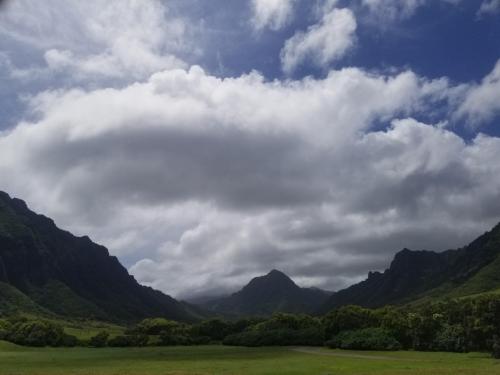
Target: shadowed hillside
{"x": 46, "y": 269}
{"x": 414, "y": 275}
{"x": 264, "y": 295}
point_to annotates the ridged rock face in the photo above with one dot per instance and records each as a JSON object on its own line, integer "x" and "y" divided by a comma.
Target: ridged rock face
{"x": 265, "y": 295}
{"x": 72, "y": 275}
{"x": 416, "y": 274}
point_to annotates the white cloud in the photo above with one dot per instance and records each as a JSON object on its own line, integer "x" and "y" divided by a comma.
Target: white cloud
{"x": 393, "y": 10}
{"x": 406, "y": 187}
{"x": 117, "y": 38}
{"x": 200, "y": 183}
{"x": 323, "y": 43}
{"x": 203, "y": 182}
{"x": 489, "y": 7}
{"x": 274, "y": 14}
{"x": 482, "y": 101}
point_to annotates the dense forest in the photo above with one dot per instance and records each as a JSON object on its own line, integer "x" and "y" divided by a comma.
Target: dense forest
{"x": 459, "y": 325}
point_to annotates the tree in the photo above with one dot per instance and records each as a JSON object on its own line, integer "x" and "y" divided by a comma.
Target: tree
{"x": 155, "y": 326}
{"x": 395, "y": 321}
{"x": 100, "y": 340}
{"x": 216, "y": 329}
{"x": 348, "y": 318}
{"x": 496, "y": 347}
{"x": 451, "y": 338}
{"x": 365, "y": 339}
{"x": 37, "y": 333}
{"x": 5, "y": 329}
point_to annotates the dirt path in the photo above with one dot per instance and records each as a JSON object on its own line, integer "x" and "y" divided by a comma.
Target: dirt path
{"x": 320, "y": 351}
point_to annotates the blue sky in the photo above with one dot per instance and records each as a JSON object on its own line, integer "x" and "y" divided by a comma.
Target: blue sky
{"x": 437, "y": 39}
{"x": 207, "y": 142}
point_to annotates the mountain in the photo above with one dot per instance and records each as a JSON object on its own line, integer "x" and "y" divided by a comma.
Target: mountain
{"x": 44, "y": 269}
{"x": 49, "y": 271}
{"x": 265, "y": 295}
{"x": 419, "y": 275}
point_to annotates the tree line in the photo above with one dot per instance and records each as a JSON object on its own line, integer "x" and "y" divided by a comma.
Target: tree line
{"x": 460, "y": 325}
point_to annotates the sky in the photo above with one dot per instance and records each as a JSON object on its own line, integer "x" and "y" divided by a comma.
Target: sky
{"x": 208, "y": 142}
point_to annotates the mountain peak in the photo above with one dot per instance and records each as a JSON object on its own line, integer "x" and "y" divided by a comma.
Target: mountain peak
{"x": 267, "y": 294}
{"x": 274, "y": 280}
{"x": 277, "y": 273}
{"x": 6, "y": 198}
{"x": 408, "y": 259}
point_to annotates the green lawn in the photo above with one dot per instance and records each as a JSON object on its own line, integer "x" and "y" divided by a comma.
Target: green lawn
{"x": 85, "y": 331}
{"x": 231, "y": 360}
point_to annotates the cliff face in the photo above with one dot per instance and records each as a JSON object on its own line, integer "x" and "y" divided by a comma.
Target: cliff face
{"x": 72, "y": 275}
{"x": 416, "y": 274}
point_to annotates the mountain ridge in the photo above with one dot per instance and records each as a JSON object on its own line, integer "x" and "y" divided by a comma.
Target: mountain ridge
{"x": 413, "y": 275}
{"x": 72, "y": 276}
{"x": 268, "y": 294}
{"x": 47, "y": 270}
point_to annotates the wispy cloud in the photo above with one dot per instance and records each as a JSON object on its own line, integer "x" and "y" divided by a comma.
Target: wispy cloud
{"x": 322, "y": 43}
{"x": 272, "y": 14}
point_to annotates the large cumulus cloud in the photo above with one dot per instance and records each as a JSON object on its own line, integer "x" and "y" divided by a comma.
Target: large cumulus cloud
{"x": 203, "y": 182}
{"x": 199, "y": 182}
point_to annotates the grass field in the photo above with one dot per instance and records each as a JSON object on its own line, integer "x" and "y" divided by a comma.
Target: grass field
{"x": 221, "y": 360}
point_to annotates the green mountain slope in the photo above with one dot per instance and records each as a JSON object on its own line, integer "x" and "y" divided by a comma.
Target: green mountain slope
{"x": 13, "y": 301}
{"x": 423, "y": 275}
{"x": 485, "y": 280}
{"x": 71, "y": 276}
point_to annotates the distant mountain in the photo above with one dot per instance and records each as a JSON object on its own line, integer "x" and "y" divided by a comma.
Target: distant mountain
{"x": 265, "y": 295}
{"x": 44, "y": 269}
{"x": 419, "y": 275}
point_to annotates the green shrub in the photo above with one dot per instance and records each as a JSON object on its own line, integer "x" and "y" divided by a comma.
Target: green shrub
{"x": 451, "y": 338}
{"x": 396, "y": 322}
{"x": 201, "y": 340}
{"x": 155, "y": 326}
{"x": 496, "y": 348}
{"x": 215, "y": 329}
{"x": 277, "y": 337}
{"x": 69, "y": 341}
{"x": 168, "y": 339}
{"x": 365, "y": 339}
{"x": 282, "y": 321}
{"x": 39, "y": 333}
{"x": 349, "y": 318}
{"x": 128, "y": 341}
{"x": 100, "y": 340}
{"x": 5, "y": 329}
